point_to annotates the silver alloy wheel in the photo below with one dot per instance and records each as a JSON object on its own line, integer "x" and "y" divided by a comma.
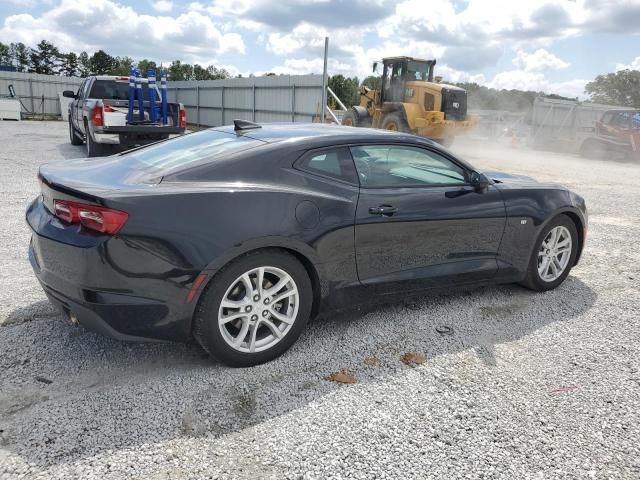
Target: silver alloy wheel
{"x": 258, "y": 309}
{"x": 554, "y": 253}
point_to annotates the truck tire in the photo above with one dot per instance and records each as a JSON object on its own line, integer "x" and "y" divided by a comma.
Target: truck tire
{"x": 395, "y": 122}
{"x": 94, "y": 149}
{"x": 73, "y": 135}
{"x": 354, "y": 117}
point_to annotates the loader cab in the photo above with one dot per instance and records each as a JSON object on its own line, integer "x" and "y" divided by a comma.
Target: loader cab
{"x": 397, "y": 71}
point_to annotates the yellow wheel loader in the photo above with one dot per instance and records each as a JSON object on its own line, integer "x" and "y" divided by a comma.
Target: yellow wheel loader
{"x": 408, "y": 100}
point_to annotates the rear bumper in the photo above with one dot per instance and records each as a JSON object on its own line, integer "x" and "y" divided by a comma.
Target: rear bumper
{"x": 100, "y": 285}
{"x": 86, "y": 316}
{"x": 134, "y": 134}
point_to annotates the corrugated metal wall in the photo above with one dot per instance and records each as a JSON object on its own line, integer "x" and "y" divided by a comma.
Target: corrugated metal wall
{"x": 30, "y": 87}
{"x": 262, "y": 99}
{"x": 560, "y": 121}
{"x": 212, "y": 102}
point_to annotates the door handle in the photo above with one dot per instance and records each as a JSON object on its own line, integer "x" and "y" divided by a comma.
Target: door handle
{"x": 384, "y": 210}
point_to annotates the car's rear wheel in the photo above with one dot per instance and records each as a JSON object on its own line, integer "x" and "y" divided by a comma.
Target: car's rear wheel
{"x": 254, "y": 309}
{"x": 73, "y": 136}
{"x": 553, "y": 256}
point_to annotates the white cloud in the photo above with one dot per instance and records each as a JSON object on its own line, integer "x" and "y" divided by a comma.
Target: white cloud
{"x": 634, "y": 65}
{"x": 162, "y": 6}
{"x": 451, "y": 75}
{"x": 76, "y": 25}
{"x": 538, "y": 61}
{"x": 307, "y": 38}
{"x": 537, "y": 82}
{"x": 304, "y": 66}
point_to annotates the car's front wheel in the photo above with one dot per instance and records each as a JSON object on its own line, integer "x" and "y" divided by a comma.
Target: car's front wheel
{"x": 254, "y": 309}
{"x": 553, "y": 256}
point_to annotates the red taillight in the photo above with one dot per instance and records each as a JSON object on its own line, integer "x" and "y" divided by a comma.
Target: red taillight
{"x": 96, "y": 218}
{"x": 65, "y": 211}
{"x": 96, "y": 117}
{"x": 183, "y": 119}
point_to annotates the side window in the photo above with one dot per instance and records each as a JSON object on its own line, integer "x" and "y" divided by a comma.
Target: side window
{"x": 606, "y": 118}
{"x": 400, "y": 166}
{"x": 335, "y": 163}
{"x": 85, "y": 88}
{"x": 81, "y": 89}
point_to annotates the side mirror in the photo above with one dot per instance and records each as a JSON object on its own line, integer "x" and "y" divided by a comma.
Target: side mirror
{"x": 68, "y": 94}
{"x": 480, "y": 182}
{"x": 375, "y": 67}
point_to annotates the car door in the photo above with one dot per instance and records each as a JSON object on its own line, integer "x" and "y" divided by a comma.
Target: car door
{"x": 80, "y": 102}
{"x": 419, "y": 222}
{"x": 74, "y": 105}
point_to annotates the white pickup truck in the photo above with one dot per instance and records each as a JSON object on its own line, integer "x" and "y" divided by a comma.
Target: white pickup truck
{"x": 98, "y": 116}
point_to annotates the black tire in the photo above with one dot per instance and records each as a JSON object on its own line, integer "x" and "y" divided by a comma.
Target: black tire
{"x": 94, "y": 149}
{"x": 73, "y": 135}
{"x": 353, "y": 118}
{"x": 533, "y": 280}
{"x": 395, "y": 122}
{"x": 208, "y": 333}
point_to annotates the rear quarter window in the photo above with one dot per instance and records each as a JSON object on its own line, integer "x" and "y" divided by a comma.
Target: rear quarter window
{"x": 334, "y": 163}
{"x": 115, "y": 90}
{"x": 178, "y": 154}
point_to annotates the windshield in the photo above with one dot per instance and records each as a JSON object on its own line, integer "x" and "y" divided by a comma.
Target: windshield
{"x": 189, "y": 150}
{"x": 115, "y": 90}
{"x": 418, "y": 71}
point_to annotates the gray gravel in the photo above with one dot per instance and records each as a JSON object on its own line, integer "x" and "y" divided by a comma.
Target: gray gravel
{"x": 528, "y": 386}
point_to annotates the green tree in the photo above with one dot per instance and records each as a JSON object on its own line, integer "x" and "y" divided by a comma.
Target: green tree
{"x": 216, "y": 73}
{"x": 144, "y": 65}
{"x": 84, "y": 64}
{"x": 5, "y": 54}
{"x": 346, "y": 89}
{"x": 121, "y": 66}
{"x": 45, "y": 58}
{"x": 69, "y": 66}
{"x": 101, "y": 63}
{"x": 179, "y": 71}
{"x": 620, "y": 88}
{"x": 200, "y": 73}
{"x": 372, "y": 81}
{"x": 19, "y": 53}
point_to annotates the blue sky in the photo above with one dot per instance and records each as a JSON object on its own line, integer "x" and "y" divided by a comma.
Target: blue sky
{"x": 554, "y": 46}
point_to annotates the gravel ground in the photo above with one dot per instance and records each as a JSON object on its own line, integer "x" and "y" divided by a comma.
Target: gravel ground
{"x": 528, "y": 386}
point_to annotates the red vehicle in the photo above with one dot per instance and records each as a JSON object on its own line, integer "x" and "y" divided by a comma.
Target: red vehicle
{"x": 617, "y": 132}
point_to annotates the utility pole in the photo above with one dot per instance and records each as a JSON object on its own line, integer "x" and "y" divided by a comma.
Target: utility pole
{"x": 325, "y": 80}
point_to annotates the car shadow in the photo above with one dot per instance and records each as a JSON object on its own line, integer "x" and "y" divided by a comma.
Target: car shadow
{"x": 68, "y": 151}
{"x": 31, "y": 312}
{"x": 63, "y": 387}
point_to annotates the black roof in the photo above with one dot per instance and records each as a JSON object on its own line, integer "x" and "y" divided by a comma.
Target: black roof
{"x": 278, "y": 132}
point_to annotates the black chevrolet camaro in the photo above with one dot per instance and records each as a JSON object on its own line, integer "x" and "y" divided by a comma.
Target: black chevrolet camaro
{"x": 236, "y": 236}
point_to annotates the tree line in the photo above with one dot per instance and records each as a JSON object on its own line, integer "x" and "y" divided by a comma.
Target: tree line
{"x": 47, "y": 59}
{"x": 619, "y": 88}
